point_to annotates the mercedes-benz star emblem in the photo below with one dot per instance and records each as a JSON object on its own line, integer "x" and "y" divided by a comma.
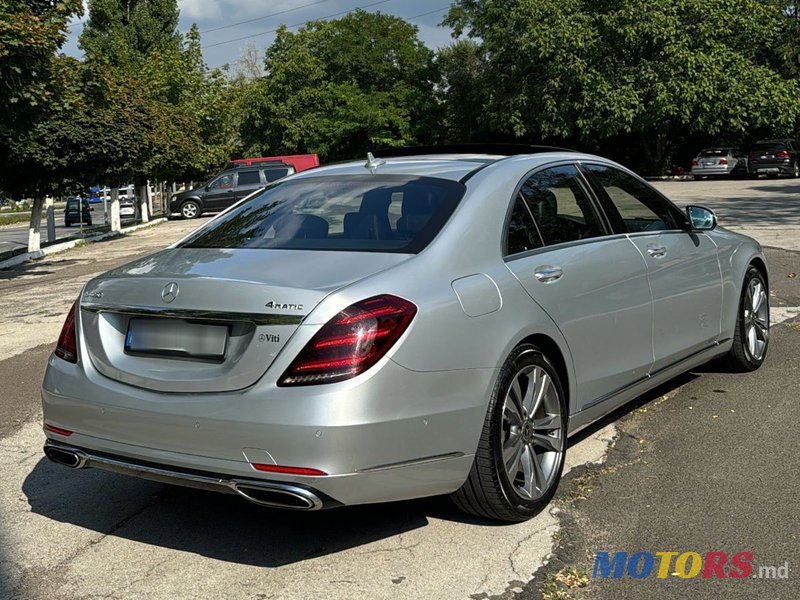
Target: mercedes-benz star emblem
{"x": 170, "y": 292}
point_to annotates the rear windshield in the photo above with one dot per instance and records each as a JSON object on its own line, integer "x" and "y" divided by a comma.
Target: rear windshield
{"x": 372, "y": 213}
{"x": 769, "y": 147}
{"x": 715, "y": 152}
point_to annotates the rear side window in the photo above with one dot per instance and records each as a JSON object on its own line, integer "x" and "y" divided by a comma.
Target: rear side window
{"x": 522, "y": 234}
{"x": 560, "y": 206}
{"x": 248, "y": 178}
{"x": 274, "y": 174}
{"x": 373, "y": 213}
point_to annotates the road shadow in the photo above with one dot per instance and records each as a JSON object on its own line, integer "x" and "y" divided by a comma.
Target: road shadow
{"x": 220, "y": 526}
{"x": 758, "y": 212}
{"x": 33, "y": 268}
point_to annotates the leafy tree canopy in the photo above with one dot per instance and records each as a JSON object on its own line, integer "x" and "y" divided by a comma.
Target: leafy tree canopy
{"x": 338, "y": 87}
{"x": 593, "y": 69}
{"x": 31, "y": 31}
{"x": 124, "y": 32}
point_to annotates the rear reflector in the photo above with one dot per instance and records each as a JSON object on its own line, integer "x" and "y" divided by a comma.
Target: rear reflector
{"x": 351, "y": 342}
{"x": 67, "y": 347}
{"x": 287, "y": 470}
{"x": 58, "y": 430}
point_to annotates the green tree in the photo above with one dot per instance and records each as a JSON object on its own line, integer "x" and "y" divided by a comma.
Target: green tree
{"x": 31, "y": 32}
{"x": 124, "y": 33}
{"x": 462, "y": 91}
{"x": 339, "y": 87}
{"x": 595, "y": 70}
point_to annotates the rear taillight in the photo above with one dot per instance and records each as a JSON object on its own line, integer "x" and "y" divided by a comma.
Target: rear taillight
{"x": 723, "y": 161}
{"x": 695, "y": 162}
{"x": 782, "y": 154}
{"x": 351, "y": 342}
{"x": 67, "y": 347}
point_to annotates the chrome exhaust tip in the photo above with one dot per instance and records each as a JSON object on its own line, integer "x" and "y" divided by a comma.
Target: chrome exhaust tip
{"x": 278, "y": 496}
{"x": 63, "y": 456}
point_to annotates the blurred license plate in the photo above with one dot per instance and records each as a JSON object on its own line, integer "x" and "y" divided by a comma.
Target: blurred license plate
{"x": 175, "y": 337}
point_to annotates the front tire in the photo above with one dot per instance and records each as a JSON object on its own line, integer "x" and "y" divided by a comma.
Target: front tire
{"x": 751, "y": 333}
{"x": 523, "y": 442}
{"x": 190, "y": 209}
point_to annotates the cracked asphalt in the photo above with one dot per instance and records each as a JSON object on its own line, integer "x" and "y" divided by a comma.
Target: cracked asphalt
{"x": 676, "y": 478}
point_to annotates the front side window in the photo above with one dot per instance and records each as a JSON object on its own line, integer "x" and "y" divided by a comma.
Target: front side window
{"x": 222, "y": 182}
{"x": 373, "y": 213}
{"x": 560, "y": 206}
{"x": 632, "y": 205}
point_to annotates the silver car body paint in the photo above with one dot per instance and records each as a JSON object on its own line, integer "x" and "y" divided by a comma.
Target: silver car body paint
{"x": 409, "y": 426}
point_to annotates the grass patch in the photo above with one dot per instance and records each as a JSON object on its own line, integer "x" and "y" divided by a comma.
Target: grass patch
{"x": 12, "y": 219}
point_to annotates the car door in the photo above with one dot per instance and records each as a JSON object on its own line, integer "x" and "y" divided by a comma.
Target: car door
{"x": 220, "y": 193}
{"x": 247, "y": 182}
{"x": 593, "y": 285}
{"x": 683, "y": 266}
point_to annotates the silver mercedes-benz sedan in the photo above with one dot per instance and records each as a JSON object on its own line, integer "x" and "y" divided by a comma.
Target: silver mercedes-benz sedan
{"x": 416, "y": 325}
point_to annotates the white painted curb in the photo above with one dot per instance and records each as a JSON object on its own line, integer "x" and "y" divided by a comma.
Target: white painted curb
{"x": 21, "y": 258}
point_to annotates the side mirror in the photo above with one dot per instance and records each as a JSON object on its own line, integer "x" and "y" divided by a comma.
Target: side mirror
{"x": 701, "y": 218}
{"x": 208, "y": 187}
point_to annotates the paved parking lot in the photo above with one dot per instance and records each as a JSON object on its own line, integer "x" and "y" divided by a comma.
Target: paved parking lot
{"x": 88, "y": 534}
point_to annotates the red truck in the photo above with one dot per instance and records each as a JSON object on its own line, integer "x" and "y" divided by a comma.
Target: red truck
{"x": 300, "y": 162}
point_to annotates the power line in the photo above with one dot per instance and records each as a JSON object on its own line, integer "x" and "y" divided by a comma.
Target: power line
{"x": 275, "y": 14}
{"x": 252, "y": 35}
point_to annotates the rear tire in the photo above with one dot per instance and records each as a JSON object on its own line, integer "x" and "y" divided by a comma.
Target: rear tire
{"x": 751, "y": 333}
{"x": 190, "y": 209}
{"x": 523, "y": 442}
{"x": 796, "y": 170}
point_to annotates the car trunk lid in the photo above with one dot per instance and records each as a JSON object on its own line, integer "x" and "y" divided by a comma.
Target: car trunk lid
{"x": 209, "y": 320}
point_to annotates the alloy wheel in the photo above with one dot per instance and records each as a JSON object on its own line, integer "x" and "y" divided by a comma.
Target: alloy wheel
{"x": 189, "y": 210}
{"x": 755, "y": 316}
{"x": 532, "y": 436}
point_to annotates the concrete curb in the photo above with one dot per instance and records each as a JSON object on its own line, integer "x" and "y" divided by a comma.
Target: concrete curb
{"x": 21, "y": 258}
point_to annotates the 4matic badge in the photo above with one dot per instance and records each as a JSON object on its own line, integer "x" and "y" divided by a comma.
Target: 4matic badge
{"x": 283, "y": 306}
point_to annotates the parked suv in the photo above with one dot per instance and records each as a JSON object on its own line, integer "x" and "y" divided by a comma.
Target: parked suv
{"x": 228, "y": 187}
{"x": 72, "y": 214}
{"x": 774, "y": 157}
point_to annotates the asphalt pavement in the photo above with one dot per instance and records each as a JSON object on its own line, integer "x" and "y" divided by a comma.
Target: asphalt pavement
{"x": 706, "y": 463}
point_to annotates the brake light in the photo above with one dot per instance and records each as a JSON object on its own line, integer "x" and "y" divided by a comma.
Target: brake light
{"x": 723, "y": 161}
{"x": 783, "y": 154}
{"x": 67, "y": 347}
{"x": 351, "y": 342}
{"x": 695, "y": 162}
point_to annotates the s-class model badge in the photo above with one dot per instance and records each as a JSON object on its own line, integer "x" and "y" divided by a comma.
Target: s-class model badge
{"x": 170, "y": 292}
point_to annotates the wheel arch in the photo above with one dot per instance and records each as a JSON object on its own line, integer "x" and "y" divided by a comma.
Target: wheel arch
{"x": 552, "y": 351}
{"x": 759, "y": 264}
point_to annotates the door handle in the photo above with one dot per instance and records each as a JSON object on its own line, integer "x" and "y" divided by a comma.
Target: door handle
{"x": 548, "y": 274}
{"x": 656, "y": 251}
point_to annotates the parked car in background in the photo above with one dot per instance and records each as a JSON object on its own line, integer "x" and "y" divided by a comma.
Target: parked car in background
{"x": 411, "y": 326}
{"x": 225, "y": 189}
{"x": 719, "y": 162}
{"x": 774, "y": 157}
{"x": 127, "y": 210}
{"x": 77, "y": 210}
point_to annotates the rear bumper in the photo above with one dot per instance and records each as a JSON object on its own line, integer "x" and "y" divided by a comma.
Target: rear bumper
{"x": 703, "y": 171}
{"x": 394, "y": 435}
{"x": 770, "y": 169}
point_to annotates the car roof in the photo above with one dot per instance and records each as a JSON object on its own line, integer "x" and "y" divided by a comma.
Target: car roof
{"x": 456, "y": 166}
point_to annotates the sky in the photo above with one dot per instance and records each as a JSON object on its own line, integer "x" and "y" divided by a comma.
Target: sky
{"x": 225, "y": 17}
